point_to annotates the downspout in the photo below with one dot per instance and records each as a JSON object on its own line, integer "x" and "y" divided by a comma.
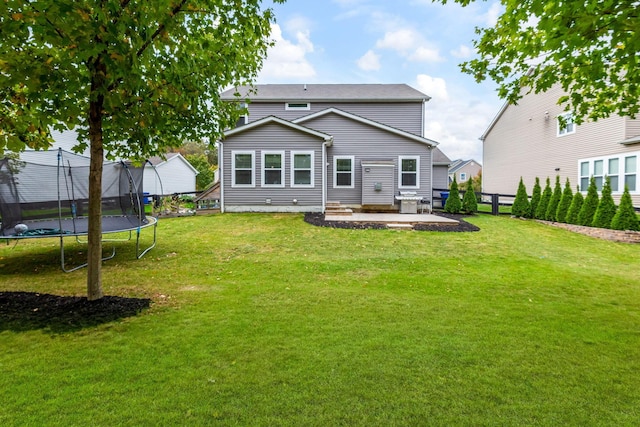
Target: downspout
{"x": 221, "y": 174}
{"x": 324, "y": 172}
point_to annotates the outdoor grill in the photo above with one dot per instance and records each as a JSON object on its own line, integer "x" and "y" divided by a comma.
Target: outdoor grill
{"x": 408, "y": 202}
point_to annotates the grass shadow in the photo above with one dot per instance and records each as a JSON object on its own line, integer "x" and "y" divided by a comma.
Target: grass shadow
{"x": 25, "y": 311}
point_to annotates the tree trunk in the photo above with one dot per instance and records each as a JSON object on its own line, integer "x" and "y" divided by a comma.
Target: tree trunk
{"x": 94, "y": 238}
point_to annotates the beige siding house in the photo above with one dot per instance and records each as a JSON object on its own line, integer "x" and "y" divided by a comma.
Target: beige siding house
{"x": 527, "y": 140}
{"x": 463, "y": 170}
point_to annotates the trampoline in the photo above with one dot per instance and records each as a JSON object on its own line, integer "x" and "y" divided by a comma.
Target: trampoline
{"x": 45, "y": 194}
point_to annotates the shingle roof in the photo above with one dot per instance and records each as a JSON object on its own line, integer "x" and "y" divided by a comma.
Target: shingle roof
{"x": 329, "y": 92}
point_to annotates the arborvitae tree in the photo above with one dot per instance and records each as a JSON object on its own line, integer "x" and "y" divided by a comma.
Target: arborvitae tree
{"x": 565, "y": 202}
{"x": 625, "y": 218}
{"x": 606, "y": 208}
{"x": 574, "y": 208}
{"x": 535, "y": 197}
{"x": 552, "y": 207}
{"x": 453, "y": 204}
{"x": 541, "y": 209}
{"x": 521, "y": 206}
{"x": 469, "y": 202}
{"x": 588, "y": 209}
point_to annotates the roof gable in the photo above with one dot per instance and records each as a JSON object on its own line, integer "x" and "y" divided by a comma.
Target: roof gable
{"x": 286, "y": 123}
{"x": 368, "y": 122}
{"x": 158, "y": 162}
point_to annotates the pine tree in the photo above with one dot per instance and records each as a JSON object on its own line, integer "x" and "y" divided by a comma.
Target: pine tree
{"x": 626, "y": 217}
{"x": 535, "y": 197}
{"x": 565, "y": 202}
{"x": 521, "y": 207}
{"x": 574, "y": 208}
{"x": 541, "y": 209}
{"x": 552, "y": 208}
{"x": 469, "y": 201}
{"x": 588, "y": 209}
{"x": 453, "y": 204}
{"x": 606, "y": 208}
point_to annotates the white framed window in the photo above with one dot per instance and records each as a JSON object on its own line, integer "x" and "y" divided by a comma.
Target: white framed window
{"x": 297, "y": 106}
{"x": 302, "y": 169}
{"x": 243, "y": 168}
{"x": 463, "y": 176}
{"x": 343, "y": 175}
{"x": 566, "y": 125}
{"x": 622, "y": 169}
{"x": 272, "y": 169}
{"x": 409, "y": 172}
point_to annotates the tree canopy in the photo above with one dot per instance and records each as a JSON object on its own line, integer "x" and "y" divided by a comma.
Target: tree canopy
{"x": 590, "y": 48}
{"x": 133, "y": 78}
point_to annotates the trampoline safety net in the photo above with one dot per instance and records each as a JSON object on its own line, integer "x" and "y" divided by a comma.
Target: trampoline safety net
{"x": 45, "y": 187}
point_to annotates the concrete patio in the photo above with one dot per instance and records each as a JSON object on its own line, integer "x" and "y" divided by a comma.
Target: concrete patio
{"x": 392, "y": 218}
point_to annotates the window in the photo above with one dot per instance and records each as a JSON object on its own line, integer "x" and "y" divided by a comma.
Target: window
{"x": 584, "y": 176}
{"x": 409, "y": 172}
{"x": 614, "y": 171}
{"x": 273, "y": 169}
{"x": 566, "y": 125}
{"x": 630, "y": 169}
{"x": 243, "y": 169}
{"x": 302, "y": 169}
{"x": 598, "y": 173}
{"x": 343, "y": 176}
{"x": 463, "y": 176}
{"x": 297, "y": 106}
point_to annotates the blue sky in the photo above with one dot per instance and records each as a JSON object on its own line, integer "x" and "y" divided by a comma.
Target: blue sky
{"x": 416, "y": 42}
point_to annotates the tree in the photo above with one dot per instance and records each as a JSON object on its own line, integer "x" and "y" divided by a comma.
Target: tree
{"x": 552, "y": 207}
{"x": 469, "y": 201}
{"x": 588, "y": 209}
{"x": 133, "y": 78}
{"x": 205, "y": 171}
{"x": 541, "y": 209}
{"x": 521, "y": 207}
{"x": 626, "y": 217}
{"x": 574, "y": 208}
{"x": 588, "y": 48}
{"x": 565, "y": 202}
{"x": 536, "y": 194}
{"x": 606, "y": 207}
{"x": 453, "y": 204}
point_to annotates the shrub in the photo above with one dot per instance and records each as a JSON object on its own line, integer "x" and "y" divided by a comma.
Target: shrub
{"x": 541, "y": 209}
{"x": 588, "y": 209}
{"x": 552, "y": 207}
{"x": 565, "y": 202}
{"x": 606, "y": 208}
{"x": 521, "y": 206}
{"x": 625, "y": 218}
{"x": 574, "y": 208}
{"x": 535, "y": 197}
{"x": 453, "y": 204}
{"x": 469, "y": 201}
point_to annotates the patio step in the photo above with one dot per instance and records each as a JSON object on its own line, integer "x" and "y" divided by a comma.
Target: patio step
{"x": 400, "y": 226}
{"x": 336, "y": 209}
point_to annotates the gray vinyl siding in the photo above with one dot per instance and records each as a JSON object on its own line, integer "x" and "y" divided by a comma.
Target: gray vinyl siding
{"x": 523, "y": 143}
{"x": 406, "y": 116}
{"x": 368, "y": 143}
{"x": 272, "y": 137}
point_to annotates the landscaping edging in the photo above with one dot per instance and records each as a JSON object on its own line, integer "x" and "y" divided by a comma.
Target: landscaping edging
{"x": 600, "y": 233}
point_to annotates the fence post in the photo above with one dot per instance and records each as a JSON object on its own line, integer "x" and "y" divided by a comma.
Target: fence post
{"x": 495, "y": 204}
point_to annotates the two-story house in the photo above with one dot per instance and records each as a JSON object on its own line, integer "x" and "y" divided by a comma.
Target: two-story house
{"x": 528, "y": 140}
{"x": 463, "y": 170}
{"x": 300, "y": 146}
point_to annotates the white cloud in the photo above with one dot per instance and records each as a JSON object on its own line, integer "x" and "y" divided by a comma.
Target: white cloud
{"x": 425, "y": 54}
{"x": 462, "y": 52}
{"x": 287, "y": 59}
{"x": 370, "y": 61}
{"x": 492, "y": 15}
{"x": 399, "y": 40}
{"x": 435, "y": 87}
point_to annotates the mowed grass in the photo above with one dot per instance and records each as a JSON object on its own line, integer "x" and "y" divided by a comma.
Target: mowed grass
{"x": 265, "y": 320}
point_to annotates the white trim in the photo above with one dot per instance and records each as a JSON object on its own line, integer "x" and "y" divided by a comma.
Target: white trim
{"x": 335, "y": 171}
{"x": 233, "y": 169}
{"x": 293, "y": 169}
{"x": 297, "y": 106}
{"x": 569, "y": 128}
{"x": 417, "y": 172}
{"x": 221, "y": 173}
{"x": 621, "y": 173}
{"x": 264, "y": 153}
{"x": 273, "y": 119}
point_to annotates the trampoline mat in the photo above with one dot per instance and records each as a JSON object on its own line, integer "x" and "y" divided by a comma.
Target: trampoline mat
{"x": 76, "y": 227}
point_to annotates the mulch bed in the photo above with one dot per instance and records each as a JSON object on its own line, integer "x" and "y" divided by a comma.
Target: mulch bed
{"x": 22, "y": 311}
{"x": 317, "y": 219}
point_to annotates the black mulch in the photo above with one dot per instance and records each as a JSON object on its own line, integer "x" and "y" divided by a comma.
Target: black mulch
{"x": 23, "y": 311}
{"x": 318, "y": 220}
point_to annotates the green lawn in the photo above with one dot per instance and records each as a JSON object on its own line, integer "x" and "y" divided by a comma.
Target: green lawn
{"x": 265, "y": 320}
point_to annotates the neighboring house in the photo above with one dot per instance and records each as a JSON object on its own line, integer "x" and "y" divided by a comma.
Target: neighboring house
{"x": 174, "y": 174}
{"x": 463, "y": 170}
{"x": 527, "y": 140}
{"x": 300, "y": 146}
